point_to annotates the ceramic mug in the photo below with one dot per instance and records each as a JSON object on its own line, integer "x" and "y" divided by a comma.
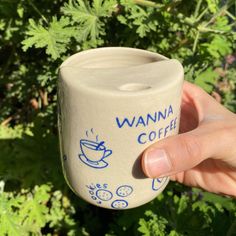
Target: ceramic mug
{"x": 113, "y": 103}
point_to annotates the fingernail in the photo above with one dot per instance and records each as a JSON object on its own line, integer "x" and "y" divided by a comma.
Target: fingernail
{"x": 156, "y": 163}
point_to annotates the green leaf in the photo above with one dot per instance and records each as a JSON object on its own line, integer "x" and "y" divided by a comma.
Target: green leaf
{"x": 2, "y": 24}
{"x": 54, "y": 38}
{"x": 213, "y": 5}
{"x": 10, "y": 133}
{"x": 88, "y": 17}
{"x": 104, "y": 8}
{"x": 34, "y": 209}
{"x": 152, "y": 225}
{"x": 207, "y": 79}
{"x": 9, "y": 220}
{"x": 143, "y": 227}
{"x": 218, "y": 47}
{"x": 222, "y": 23}
{"x": 225, "y": 202}
{"x": 182, "y": 204}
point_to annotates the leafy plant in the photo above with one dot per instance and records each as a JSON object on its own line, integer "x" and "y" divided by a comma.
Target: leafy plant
{"x": 30, "y": 212}
{"x": 55, "y": 38}
{"x": 35, "y": 37}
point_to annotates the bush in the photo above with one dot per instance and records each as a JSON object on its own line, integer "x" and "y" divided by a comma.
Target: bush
{"x": 35, "y": 37}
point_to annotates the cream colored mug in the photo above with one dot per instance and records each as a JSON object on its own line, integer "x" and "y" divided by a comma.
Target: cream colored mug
{"x": 113, "y": 103}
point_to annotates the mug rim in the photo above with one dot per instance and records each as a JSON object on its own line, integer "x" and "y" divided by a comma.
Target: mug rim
{"x": 94, "y": 60}
{"x": 124, "y": 51}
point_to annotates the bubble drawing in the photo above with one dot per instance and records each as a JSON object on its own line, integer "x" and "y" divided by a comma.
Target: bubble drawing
{"x": 124, "y": 191}
{"x": 93, "y": 153}
{"x": 104, "y": 195}
{"x": 119, "y": 204}
{"x": 99, "y": 192}
{"x": 158, "y": 183}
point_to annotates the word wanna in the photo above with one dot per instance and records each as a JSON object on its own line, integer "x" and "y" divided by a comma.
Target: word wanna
{"x": 145, "y": 120}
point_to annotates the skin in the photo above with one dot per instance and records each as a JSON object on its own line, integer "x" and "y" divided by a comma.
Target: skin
{"x": 204, "y": 153}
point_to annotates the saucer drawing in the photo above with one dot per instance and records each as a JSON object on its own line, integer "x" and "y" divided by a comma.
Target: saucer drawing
{"x": 93, "y": 153}
{"x": 100, "y": 164}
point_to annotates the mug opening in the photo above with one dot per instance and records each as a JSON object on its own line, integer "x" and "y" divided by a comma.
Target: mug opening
{"x": 112, "y": 57}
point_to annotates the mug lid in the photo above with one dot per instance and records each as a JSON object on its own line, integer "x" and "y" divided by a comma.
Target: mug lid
{"x": 121, "y": 70}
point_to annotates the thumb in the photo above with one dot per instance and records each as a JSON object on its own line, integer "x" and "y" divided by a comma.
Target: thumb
{"x": 181, "y": 152}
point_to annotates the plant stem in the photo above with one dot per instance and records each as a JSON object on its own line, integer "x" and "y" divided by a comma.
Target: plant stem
{"x": 6, "y": 121}
{"x": 37, "y": 10}
{"x": 216, "y": 15}
{"x": 202, "y": 14}
{"x": 221, "y": 10}
{"x": 196, "y": 41}
{"x": 205, "y": 29}
{"x": 233, "y": 24}
{"x": 230, "y": 15}
{"x": 148, "y": 3}
{"x": 199, "y": 3}
{"x": 171, "y": 5}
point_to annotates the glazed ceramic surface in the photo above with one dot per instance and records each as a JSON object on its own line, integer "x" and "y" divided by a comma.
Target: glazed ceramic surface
{"x": 113, "y": 103}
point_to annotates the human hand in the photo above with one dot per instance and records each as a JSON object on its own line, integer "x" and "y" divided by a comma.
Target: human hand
{"x": 204, "y": 153}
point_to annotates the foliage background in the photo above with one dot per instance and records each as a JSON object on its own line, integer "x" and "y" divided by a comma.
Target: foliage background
{"x": 35, "y": 37}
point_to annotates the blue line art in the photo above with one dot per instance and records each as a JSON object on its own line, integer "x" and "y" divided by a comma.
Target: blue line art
{"x": 91, "y": 187}
{"x": 98, "y": 185}
{"x": 119, "y": 204}
{"x": 104, "y": 186}
{"x": 158, "y": 183}
{"x": 124, "y": 191}
{"x": 93, "y": 153}
{"x": 99, "y": 193}
{"x": 104, "y": 195}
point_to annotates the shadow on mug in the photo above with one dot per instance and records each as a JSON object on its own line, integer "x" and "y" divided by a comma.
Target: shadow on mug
{"x": 137, "y": 171}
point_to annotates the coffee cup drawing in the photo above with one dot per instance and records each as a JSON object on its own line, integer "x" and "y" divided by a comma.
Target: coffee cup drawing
{"x": 94, "y": 153}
